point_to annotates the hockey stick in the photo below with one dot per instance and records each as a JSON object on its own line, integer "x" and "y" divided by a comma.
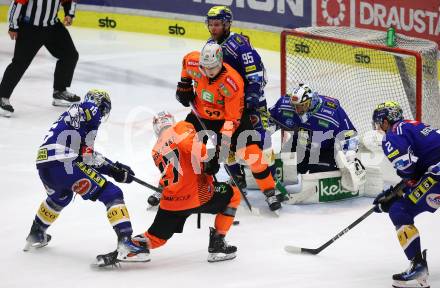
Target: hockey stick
{"x": 234, "y": 179}
{"x": 315, "y": 251}
{"x": 298, "y": 250}
{"x": 143, "y": 183}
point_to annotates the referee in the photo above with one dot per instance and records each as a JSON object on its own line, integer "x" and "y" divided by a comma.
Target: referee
{"x": 33, "y": 24}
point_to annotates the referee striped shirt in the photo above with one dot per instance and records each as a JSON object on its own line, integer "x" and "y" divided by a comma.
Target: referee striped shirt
{"x": 41, "y": 13}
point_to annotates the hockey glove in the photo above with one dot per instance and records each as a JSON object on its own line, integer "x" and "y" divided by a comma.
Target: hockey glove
{"x": 121, "y": 173}
{"x": 185, "y": 93}
{"x": 212, "y": 166}
{"x": 252, "y": 101}
{"x": 384, "y": 200}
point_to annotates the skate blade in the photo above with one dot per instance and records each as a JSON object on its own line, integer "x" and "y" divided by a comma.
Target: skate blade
{"x": 419, "y": 283}
{"x": 30, "y": 246}
{"x": 99, "y": 264}
{"x": 218, "y": 257}
{"x": 62, "y": 103}
{"x": 6, "y": 114}
{"x": 141, "y": 257}
{"x": 277, "y": 213}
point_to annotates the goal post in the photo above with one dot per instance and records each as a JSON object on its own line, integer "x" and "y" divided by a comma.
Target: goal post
{"x": 355, "y": 66}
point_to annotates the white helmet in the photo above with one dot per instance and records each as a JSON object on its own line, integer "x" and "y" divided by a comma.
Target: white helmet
{"x": 303, "y": 98}
{"x": 211, "y": 59}
{"x": 162, "y": 120}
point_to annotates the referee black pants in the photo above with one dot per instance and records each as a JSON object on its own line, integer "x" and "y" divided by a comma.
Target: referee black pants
{"x": 30, "y": 39}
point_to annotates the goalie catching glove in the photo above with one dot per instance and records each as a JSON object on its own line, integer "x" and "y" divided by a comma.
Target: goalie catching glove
{"x": 185, "y": 92}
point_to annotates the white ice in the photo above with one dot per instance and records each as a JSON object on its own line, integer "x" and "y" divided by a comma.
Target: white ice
{"x": 140, "y": 72}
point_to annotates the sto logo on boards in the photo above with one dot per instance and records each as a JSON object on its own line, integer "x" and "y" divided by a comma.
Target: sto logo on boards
{"x": 333, "y": 12}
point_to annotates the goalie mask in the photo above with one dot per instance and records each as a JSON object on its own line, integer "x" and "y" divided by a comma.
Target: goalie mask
{"x": 161, "y": 121}
{"x": 303, "y": 99}
{"x": 102, "y": 100}
{"x": 211, "y": 60}
{"x": 390, "y": 110}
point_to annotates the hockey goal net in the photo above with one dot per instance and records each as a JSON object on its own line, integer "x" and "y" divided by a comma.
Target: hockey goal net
{"x": 355, "y": 66}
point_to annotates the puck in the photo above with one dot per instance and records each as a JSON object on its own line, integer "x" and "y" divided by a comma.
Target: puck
{"x": 236, "y": 222}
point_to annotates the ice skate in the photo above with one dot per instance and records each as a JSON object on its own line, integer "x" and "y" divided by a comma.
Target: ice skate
{"x": 6, "y": 108}
{"x": 218, "y": 249}
{"x": 64, "y": 98}
{"x": 37, "y": 238}
{"x": 128, "y": 251}
{"x": 415, "y": 276}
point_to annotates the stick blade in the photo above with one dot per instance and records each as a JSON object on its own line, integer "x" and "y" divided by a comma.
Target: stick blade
{"x": 292, "y": 249}
{"x": 299, "y": 250}
{"x": 255, "y": 211}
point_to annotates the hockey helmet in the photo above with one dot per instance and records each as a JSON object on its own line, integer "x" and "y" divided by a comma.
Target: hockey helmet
{"x": 303, "y": 99}
{"x": 162, "y": 120}
{"x": 211, "y": 60}
{"x": 223, "y": 13}
{"x": 101, "y": 99}
{"x": 390, "y": 110}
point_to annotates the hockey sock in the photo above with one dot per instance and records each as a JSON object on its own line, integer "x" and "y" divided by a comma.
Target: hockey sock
{"x": 154, "y": 242}
{"x": 253, "y": 156}
{"x": 47, "y": 213}
{"x": 224, "y": 220}
{"x": 117, "y": 215}
{"x": 409, "y": 239}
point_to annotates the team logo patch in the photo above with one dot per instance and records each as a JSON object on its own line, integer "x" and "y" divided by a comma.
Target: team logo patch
{"x": 232, "y": 83}
{"x": 42, "y": 154}
{"x": 254, "y": 120}
{"x": 393, "y": 154}
{"x": 331, "y": 105}
{"x": 207, "y": 96}
{"x": 433, "y": 200}
{"x": 421, "y": 189}
{"x": 193, "y": 63}
{"x": 323, "y": 123}
{"x": 250, "y": 68}
{"x": 82, "y": 186}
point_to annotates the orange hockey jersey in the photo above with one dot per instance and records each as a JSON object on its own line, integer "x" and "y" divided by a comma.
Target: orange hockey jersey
{"x": 221, "y": 98}
{"x": 178, "y": 154}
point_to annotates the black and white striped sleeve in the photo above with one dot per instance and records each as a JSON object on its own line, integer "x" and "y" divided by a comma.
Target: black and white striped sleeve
{"x": 69, "y": 8}
{"x": 14, "y": 13}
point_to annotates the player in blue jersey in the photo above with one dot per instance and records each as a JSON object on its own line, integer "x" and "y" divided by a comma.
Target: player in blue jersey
{"x": 322, "y": 129}
{"x": 239, "y": 53}
{"x": 68, "y": 166}
{"x": 414, "y": 150}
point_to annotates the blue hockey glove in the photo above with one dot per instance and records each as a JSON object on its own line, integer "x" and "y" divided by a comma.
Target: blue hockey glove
{"x": 121, "y": 173}
{"x": 384, "y": 200}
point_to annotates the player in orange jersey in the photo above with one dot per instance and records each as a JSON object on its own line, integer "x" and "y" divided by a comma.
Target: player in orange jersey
{"x": 218, "y": 99}
{"x": 188, "y": 188}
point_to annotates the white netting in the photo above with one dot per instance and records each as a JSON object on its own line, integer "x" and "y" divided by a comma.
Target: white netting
{"x": 361, "y": 77}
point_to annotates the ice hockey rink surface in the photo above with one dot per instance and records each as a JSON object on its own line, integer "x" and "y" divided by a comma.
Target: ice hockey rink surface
{"x": 140, "y": 72}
